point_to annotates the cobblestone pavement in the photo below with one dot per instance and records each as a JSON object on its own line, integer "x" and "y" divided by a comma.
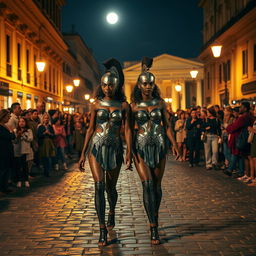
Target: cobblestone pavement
{"x": 202, "y": 213}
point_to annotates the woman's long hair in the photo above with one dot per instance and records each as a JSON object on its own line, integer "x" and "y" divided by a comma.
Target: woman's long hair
{"x": 118, "y": 94}
{"x": 136, "y": 95}
{"x": 26, "y": 124}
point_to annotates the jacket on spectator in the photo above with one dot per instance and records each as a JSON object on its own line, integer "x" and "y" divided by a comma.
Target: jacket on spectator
{"x": 193, "y": 130}
{"x": 6, "y": 148}
{"x": 235, "y": 129}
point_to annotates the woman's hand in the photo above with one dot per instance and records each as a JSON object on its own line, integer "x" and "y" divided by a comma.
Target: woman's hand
{"x": 81, "y": 163}
{"x": 128, "y": 161}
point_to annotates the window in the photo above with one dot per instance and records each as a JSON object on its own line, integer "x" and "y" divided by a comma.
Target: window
{"x": 245, "y": 61}
{"x": 54, "y": 81}
{"x": 208, "y": 80}
{"x": 50, "y": 78}
{"x": 8, "y": 56}
{"x": 228, "y": 70}
{"x": 27, "y": 66}
{"x": 19, "y": 60}
{"x": 220, "y": 73}
{"x": 254, "y": 58}
{"x": 45, "y": 81}
{"x": 35, "y": 73}
{"x": 8, "y": 50}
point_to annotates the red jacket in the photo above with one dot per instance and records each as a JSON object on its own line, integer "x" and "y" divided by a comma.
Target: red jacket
{"x": 235, "y": 129}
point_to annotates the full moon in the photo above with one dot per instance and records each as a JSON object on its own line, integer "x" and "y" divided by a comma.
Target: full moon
{"x": 112, "y": 18}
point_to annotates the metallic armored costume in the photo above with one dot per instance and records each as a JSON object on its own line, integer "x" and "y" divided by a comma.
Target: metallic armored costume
{"x": 150, "y": 138}
{"x": 107, "y": 145}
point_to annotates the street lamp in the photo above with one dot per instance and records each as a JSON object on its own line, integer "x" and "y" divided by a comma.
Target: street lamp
{"x": 92, "y": 100}
{"x": 216, "y": 50}
{"x": 76, "y": 82}
{"x": 193, "y": 73}
{"x": 178, "y": 89}
{"x": 69, "y": 88}
{"x": 87, "y": 96}
{"x": 40, "y": 64}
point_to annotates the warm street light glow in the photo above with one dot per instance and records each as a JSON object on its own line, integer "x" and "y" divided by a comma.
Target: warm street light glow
{"x": 112, "y": 18}
{"x": 216, "y": 50}
{"x": 69, "y": 88}
{"x": 178, "y": 87}
{"x": 40, "y": 65}
{"x": 168, "y": 100}
{"x": 87, "y": 96}
{"x": 193, "y": 73}
{"x": 76, "y": 82}
{"x": 92, "y": 100}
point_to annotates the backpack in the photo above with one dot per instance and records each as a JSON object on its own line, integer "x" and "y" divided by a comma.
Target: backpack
{"x": 242, "y": 140}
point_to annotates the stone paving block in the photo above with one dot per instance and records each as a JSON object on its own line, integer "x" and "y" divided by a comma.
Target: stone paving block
{"x": 57, "y": 217}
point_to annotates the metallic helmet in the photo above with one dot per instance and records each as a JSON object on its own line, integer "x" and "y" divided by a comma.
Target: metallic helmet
{"x": 110, "y": 79}
{"x": 146, "y": 77}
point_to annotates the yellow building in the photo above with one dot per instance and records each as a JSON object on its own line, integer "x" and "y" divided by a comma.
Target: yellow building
{"x": 230, "y": 23}
{"x": 169, "y": 71}
{"x": 30, "y": 31}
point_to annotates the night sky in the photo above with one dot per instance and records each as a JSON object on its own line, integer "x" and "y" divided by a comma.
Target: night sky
{"x": 145, "y": 27}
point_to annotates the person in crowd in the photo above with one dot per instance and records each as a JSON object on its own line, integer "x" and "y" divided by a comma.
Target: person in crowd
{"x": 69, "y": 128}
{"x": 6, "y": 148}
{"x": 193, "y": 127}
{"x": 103, "y": 142}
{"x": 45, "y": 135}
{"x": 23, "y": 153}
{"x": 15, "y": 113}
{"x": 180, "y": 128}
{"x": 212, "y": 128}
{"x": 219, "y": 113}
{"x": 40, "y": 106}
{"x": 251, "y": 180}
{"x": 239, "y": 156}
{"x": 60, "y": 143}
{"x": 228, "y": 119}
{"x": 78, "y": 137}
{"x": 150, "y": 118}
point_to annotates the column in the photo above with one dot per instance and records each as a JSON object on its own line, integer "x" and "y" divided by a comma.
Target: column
{"x": 198, "y": 93}
{"x": 183, "y": 95}
{"x": 175, "y": 97}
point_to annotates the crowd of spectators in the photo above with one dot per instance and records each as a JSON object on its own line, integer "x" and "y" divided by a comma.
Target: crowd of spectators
{"x": 215, "y": 138}
{"x": 218, "y": 139}
{"x": 37, "y": 138}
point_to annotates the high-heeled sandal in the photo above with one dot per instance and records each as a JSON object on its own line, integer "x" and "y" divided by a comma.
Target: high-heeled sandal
{"x": 103, "y": 237}
{"x": 155, "y": 239}
{"x": 111, "y": 221}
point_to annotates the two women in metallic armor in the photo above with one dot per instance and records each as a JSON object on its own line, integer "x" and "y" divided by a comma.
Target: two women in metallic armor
{"x": 147, "y": 117}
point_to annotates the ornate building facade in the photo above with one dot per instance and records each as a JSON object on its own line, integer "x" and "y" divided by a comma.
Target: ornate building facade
{"x": 170, "y": 71}
{"x": 232, "y": 76}
{"x": 30, "y": 31}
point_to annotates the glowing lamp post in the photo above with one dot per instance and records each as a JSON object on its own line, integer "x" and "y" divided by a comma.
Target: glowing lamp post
{"x": 216, "y": 50}
{"x": 87, "y": 96}
{"x": 40, "y": 65}
{"x": 76, "y": 82}
{"x": 193, "y": 73}
{"x": 69, "y": 88}
{"x": 92, "y": 100}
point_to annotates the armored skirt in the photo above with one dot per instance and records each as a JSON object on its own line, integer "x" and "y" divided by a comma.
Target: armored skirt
{"x": 150, "y": 139}
{"x": 106, "y": 143}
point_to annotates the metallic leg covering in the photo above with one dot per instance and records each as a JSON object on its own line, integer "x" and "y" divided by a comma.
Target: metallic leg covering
{"x": 158, "y": 197}
{"x": 149, "y": 200}
{"x": 112, "y": 199}
{"x": 100, "y": 203}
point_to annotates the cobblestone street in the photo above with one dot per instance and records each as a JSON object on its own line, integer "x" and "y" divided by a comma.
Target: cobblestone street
{"x": 202, "y": 213}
